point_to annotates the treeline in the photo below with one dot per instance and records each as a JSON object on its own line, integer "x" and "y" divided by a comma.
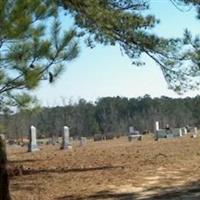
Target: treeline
{"x": 106, "y": 115}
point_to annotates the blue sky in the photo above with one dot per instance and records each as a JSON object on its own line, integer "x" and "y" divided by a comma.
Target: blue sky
{"x": 104, "y": 71}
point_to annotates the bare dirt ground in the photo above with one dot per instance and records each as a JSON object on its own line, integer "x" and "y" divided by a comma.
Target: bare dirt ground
{"x": 116, "y": 169}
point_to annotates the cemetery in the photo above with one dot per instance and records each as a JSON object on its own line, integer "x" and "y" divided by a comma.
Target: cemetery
{"x": 107, "y": 130}
{"x": 117, "y": 168}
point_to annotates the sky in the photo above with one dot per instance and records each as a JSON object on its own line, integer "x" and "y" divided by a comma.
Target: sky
{"x": 104, "y": 71}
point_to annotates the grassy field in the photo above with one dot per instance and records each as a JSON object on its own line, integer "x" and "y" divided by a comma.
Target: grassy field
{"x": 115, "y": 169}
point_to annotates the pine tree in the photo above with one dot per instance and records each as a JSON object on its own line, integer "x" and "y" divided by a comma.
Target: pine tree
{"x": 188, "y": 57}
{"x": 31, "y": 50}
{"x": 126, "y": 23}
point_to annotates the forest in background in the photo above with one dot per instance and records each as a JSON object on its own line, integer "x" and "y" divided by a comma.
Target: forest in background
{"x": 106, "y": 115}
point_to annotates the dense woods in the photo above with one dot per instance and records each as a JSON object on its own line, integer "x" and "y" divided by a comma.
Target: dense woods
{"x": 106, "y": 115}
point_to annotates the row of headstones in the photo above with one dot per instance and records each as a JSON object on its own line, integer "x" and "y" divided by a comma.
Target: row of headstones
{"x": 66, "y": 142}
{"x": 174, "y": 132}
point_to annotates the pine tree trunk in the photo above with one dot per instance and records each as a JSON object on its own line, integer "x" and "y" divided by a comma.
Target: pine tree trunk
{"x": 4, "y": 179}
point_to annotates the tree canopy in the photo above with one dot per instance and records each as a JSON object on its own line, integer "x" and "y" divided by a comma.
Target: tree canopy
{"x": 128, "y": 24}
{"x": 32, "y": 47}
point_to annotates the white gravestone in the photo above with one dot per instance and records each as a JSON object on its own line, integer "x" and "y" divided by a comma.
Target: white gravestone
{"x": 184, "y": 131}
{"x": 195, "y": 130}
{"x": 156, "y": 130}
{"x": 32, "y": 146}
{"x": 157, "y": 125}
{"x": 2, "y": 136}
{"x": 131, "y": 130}
{"x": 194, "y": 135}
{"x": 66, "y": 144}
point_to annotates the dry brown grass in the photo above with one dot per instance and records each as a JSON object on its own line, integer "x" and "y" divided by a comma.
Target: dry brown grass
{"x": 116, "y": 169}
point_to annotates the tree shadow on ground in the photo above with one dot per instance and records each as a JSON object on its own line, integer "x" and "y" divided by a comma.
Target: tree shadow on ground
{"x": 67, "y": 170}
{"x": 186, "y": 192}
{"x": 27, "y": 183}
{"x": 24, "y": 161}
{"x": 189, "y": 191}
{"x": 23, "y": 187}
{"x": 100, "y": 196}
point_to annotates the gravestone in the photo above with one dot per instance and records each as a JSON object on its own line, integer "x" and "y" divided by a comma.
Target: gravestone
{"x": 161, "y": 133}
{"x": 169, "y": 135}
{"x": 156, "y": 125}
{"x": 3, "y": 137}
{"x": 53, "y": 140}
{"x": 134, "y": 134}
{"x": 109, "y": 136}
{"x": 83, "y": 141}
{"x": 195, "y": 130}
{"x": 184, "y": 131}
{"x": 66, "y": 144}
{"x": 32, "y": 146}
{"x": 156, "y": 130}
{"x": 98, "y": 137}
{"x": 177, "y": 132}
{"x": 194, "y": 135}
{"x": 131, "y": 130}
{"x": 134, "y": 137}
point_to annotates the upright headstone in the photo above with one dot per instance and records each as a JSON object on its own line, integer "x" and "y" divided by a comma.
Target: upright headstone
{"x": 184, "y": 131}
{"x": 66, "y": 139}
{"x": 180, "y": 132}
{"x": 2, "y": 136}
{"x": 83, "y": 141}
{"x": 194, "y": 135}
{"x": 32, "y": 146}
{"x": 53, "y": 140}
{"x": 156, "y": 125}
{"x": 156, "y": 130}
{"x": 131, "y": 130}
{"x": 195, "y": 130}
